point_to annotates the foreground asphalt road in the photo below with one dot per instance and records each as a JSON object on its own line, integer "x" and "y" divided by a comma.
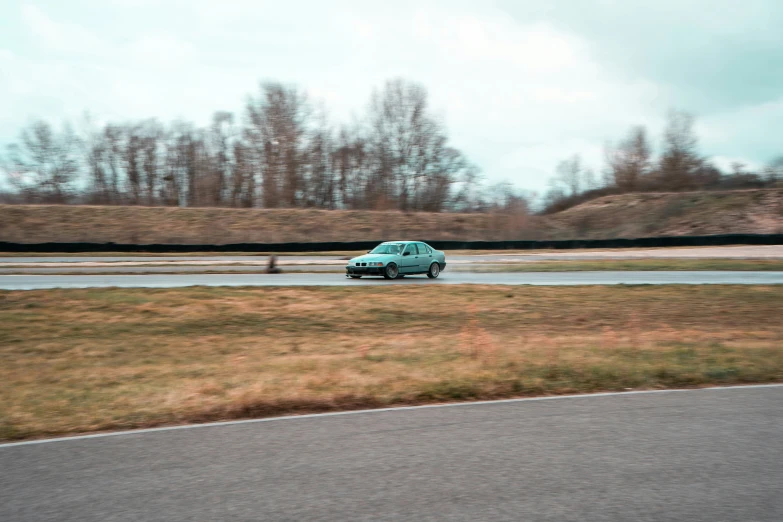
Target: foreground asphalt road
{"x": 705, "y": 455}
{"x": 31, "y": 282}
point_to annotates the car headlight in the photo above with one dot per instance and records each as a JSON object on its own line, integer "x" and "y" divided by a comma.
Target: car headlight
{"x": 375, "y": 264}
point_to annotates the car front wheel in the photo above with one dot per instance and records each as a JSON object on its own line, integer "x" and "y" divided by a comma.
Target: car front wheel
{"x": 434, "y": 271}
{"x": 391, "y": 271}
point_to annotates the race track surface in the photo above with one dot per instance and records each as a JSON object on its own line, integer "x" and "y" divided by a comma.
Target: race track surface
{"x": 697, "y": 456}
{"x": 723, "y": 252}
{"x": 32, "y": 282}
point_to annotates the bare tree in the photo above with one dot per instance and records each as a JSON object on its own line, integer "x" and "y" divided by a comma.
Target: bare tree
{"x": 398, "y": 124}
{"x": 412, "y": 164}
{"x": 243, "y": 177}
{"x": 591, "y": 182}
{"x": 568, "y": 175}
{"x": 351, "y": 165}
{"x": 44, "y": 167}
{"x": 629, "y": 162}
{"x": 98, "y": 187}
{"x": 468, "y": 197}
{"x": 178, "y": 187}
{"x": 277, "y": 122}
{"x": 114, "y": 160}
{"x": 679, "y": 161}
{"x": 773, "y": 172}
{"x": 219, "y": 158}
{"x": 320, "y": 179}
{"x": 152, "y": 136}
{"x": 133, "y": 162}
{"x": 553, "y": 196}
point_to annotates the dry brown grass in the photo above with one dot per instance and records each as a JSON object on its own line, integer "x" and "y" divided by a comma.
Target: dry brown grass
{"x": 145, "y": 225}
{"x": 85, "y": 360}
{"x": 672, "y": 214}
{"x": 628, "y": 215}
{"x": 602, "y": 265}
{"x": 756, "y": 265}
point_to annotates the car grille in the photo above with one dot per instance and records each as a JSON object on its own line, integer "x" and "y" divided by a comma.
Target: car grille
{"x": 370, "y": 270}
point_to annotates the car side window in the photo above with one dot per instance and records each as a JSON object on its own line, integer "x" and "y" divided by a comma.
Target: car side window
{"x": 424, "y": 249}
{"x": 410, "y": 249}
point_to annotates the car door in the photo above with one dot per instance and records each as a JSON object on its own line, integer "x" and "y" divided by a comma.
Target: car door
{"x": 409, "y": 262}
{"x": 426, "y": 256}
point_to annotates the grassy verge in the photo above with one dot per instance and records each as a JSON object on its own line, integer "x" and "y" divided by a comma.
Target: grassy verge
{"x": 764, "y": 265}
{"x": 353, "y": 253}
{"x": 260, "y": 271}
{"x": 98, "y": 359}
{"x": 635, "y": 264}
{"x": 177, "y": 254}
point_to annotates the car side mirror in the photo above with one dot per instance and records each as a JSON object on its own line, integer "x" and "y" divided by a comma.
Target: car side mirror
{"x": 406, "y": 253}
{"x": 369, "y": 251}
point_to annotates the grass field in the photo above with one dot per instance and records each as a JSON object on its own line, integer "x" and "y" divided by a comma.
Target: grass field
{"x": 764, "y": 265}
{"x": 87, "y": 360}
{"x": 637, "y": 264}
{"x": 353, "y": 253}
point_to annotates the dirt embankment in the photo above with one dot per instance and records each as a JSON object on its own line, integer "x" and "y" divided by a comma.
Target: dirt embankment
{"x": 144, "y": 225}
{"x": 628, "y": 215}
{"x": 672, "y": 214}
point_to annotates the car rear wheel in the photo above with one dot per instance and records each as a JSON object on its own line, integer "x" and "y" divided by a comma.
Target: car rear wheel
{"x": 434, "y": 271}
{"x": 391, "y": 271}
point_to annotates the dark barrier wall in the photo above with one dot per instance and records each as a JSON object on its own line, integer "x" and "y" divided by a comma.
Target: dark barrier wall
{"x": 674, "y": 241}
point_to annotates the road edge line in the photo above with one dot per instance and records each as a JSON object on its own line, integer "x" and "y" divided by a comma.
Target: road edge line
{"x": 142, "y": 431}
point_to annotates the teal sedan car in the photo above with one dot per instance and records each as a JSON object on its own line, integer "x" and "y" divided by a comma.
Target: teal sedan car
{"x": 396, "y": 259}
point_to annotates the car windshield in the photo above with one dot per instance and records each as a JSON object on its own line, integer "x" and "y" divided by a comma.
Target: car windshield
{"x": 387, "y": 248}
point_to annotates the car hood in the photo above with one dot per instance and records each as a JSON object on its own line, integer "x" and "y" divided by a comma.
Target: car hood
{"x": 372, "y": 258}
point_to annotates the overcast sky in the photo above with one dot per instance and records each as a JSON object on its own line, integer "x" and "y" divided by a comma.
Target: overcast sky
{"x": 520, "y": 84}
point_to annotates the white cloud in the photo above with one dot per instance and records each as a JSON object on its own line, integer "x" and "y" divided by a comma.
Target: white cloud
{"x": 161, "y": 50}
{"x": 60, "y": 37}
{"x": 517, "y": 98}
{"x": 745, "y": 133}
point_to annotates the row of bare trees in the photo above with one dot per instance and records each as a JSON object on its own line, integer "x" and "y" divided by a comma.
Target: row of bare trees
{"x": 282, "y": 152}
{"x": 630, "y": 166}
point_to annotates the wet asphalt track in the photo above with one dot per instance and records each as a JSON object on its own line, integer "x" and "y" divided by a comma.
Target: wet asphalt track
{"x": 724, "y": 252}
{"x": 86, "y": 270}
{"x": 697, "y": 456}
{"x": 32, "y": 282}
